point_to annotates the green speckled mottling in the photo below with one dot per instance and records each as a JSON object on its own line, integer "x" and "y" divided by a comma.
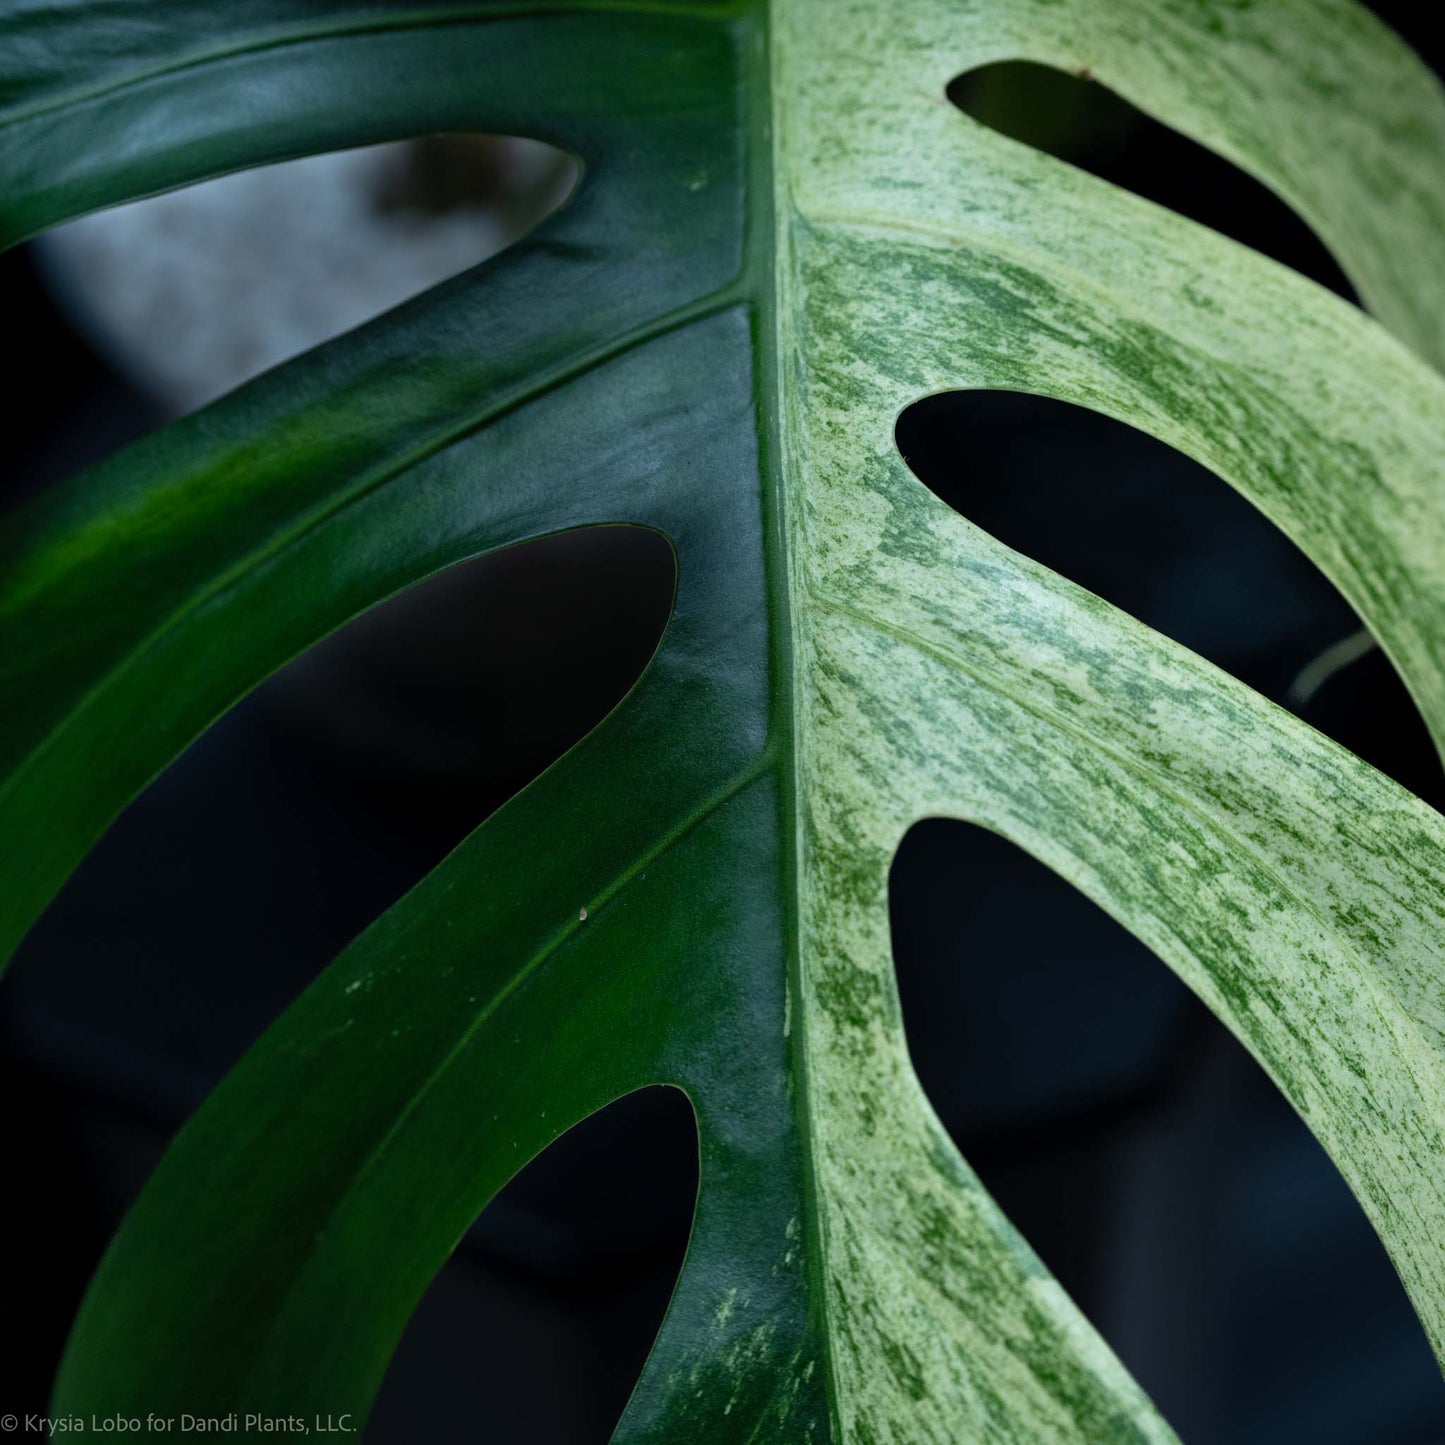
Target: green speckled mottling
{"x": 938, "y": 673}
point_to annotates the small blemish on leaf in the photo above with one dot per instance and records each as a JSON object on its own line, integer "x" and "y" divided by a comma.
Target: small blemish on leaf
{"x": 581, "y": 915}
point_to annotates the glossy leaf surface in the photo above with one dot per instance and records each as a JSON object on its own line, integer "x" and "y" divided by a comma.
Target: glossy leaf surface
{"x": 783, "y": 236}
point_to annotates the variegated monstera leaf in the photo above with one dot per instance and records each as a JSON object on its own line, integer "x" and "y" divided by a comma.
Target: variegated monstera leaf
{"x": 784, "y": 234}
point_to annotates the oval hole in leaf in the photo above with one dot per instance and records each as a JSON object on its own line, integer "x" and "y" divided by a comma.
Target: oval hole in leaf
{"x": 198, "y": 290}
{"x": 541, "y": 1320}
{"x": 139, "y": 314}
{"x": 1148, "y": 1160}
{"x": 1416, "y": 26}
{"x": 285, "y": 829}
{"x": 1080, "y": 121}
{"x": 1138, "y": 523}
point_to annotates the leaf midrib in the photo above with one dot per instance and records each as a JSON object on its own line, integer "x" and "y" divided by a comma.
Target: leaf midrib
{"x": 780, "y": 340}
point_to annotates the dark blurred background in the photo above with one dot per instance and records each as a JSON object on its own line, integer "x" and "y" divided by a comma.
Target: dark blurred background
{"x": 1140, "y": 1150}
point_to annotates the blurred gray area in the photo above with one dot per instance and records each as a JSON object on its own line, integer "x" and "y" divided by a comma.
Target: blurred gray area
{"x": 192, "y": 293}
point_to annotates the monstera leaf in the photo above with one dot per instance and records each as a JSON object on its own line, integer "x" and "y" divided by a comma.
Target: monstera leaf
{"x": 784, "y": 234}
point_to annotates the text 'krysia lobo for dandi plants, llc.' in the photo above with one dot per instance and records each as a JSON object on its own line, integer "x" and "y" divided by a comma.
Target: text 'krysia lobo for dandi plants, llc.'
{"x": 233, "y": 1423}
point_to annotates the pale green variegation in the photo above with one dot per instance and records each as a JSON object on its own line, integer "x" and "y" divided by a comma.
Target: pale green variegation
{"x": 939, "y": 673}
{"x": 816, "y": 238}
